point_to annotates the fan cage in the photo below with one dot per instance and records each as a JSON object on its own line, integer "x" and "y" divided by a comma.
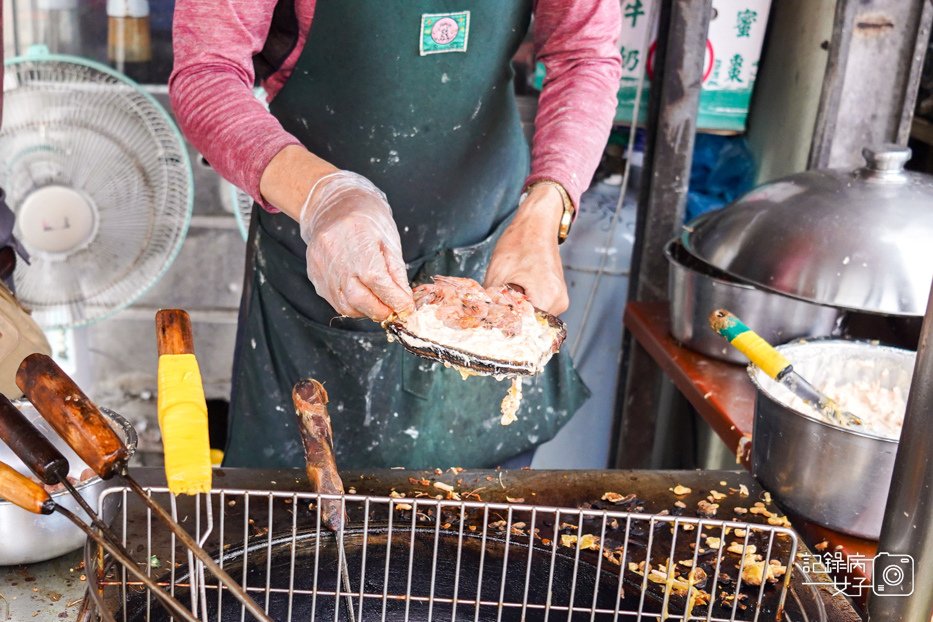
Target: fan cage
{"x": 78, "y": 123}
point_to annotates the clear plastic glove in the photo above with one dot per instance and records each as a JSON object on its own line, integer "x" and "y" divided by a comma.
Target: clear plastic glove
{"x": 354, "y": 251}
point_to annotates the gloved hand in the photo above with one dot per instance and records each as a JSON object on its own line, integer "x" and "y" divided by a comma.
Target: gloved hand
{"x": 354, "y": 251}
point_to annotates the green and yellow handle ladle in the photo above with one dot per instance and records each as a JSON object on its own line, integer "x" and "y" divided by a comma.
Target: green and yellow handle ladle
{"x": 776, "y": 366}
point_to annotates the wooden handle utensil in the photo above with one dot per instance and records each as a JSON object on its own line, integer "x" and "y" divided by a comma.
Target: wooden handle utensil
{"x": 22, "y": 491}
{"x": 182, "y": 406}
{"x": 310, "y": 399}
{"x": 71, "y": 414}
{"x": 30, "y": 446}
{"x": 27, "y": 494}
{"x": 173, "y": 332}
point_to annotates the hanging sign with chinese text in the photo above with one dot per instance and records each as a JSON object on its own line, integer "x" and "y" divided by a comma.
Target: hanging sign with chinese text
{"x": 733, "y": 47}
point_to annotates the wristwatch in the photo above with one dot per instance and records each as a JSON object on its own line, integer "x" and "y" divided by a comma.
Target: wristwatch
{"x": 566, "y": 218}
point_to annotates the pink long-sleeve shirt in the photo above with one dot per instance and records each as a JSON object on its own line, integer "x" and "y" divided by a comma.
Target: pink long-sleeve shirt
{"x": 212, "y": 97}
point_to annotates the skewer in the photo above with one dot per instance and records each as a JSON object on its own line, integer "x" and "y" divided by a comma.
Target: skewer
{"x": 30, "y": 496}
{"x": 76, "y": 419}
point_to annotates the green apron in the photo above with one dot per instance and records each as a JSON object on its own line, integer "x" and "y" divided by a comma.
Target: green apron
{"x": 440, "y": 134}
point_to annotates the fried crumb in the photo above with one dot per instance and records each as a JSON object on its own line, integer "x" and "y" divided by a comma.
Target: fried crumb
{"x": 740, "y": 549}
{"x": 515, "y": 499}
{"x": 443, "y": 486}
{"x": 821, "y": 546}
{"x": 716, "y": 495}
{"x": 587, "y": 541}
{"x": 743, "y": 490}
{"x": 680, "y": 504}
{"x": 762, "y": 512}
{"x": 740, "y": 510}
{"x": 754, "y": 571}
{"x": 704, "y": 508}
{"x": 714, "y": 543}
{"x": 680, "y": 490}
{"x": 638, "y": 568}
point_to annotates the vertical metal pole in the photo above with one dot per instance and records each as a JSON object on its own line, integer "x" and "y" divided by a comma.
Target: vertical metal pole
{"x": 672, "y": 114}
{"x": 672, "y": 118}
{"x": 908, "y": 519}
{"x": 877, "y": 46}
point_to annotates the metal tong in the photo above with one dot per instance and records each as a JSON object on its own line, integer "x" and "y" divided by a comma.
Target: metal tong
{"x": 27, "y": 494}
{"x": 77, "y": 420}
{"x": 310, "y": 400}
{"x": 51, "y": 467}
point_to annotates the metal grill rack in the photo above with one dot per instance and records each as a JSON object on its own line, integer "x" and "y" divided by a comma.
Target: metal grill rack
{"x": 445, "y": 559}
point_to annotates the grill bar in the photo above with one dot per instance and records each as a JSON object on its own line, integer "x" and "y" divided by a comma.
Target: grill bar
{"x": 426, "y": 558}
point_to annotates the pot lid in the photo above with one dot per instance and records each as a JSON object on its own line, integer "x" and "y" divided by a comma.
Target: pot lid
{"x": 859, "y": 239}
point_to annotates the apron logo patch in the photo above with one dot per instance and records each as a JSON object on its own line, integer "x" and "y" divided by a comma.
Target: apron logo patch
{"x": 444, "y": 32}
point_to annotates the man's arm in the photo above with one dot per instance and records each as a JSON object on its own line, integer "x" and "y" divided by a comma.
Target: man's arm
{"x": 212, "y": 97}
{"x": 354, "y": 257}
{"x": 577, "y": 40}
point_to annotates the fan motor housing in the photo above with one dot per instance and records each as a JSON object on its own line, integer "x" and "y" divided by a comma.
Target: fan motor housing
{"x": 57, "y": 221}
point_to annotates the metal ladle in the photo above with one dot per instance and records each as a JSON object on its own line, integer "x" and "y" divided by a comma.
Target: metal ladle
{"x": 776, "y": 366}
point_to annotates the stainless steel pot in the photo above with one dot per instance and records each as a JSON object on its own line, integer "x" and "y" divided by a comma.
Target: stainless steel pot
{"x": 26, "y": 538}
{"x": 696, "y": 289}
{"x": 835, "y": 477}
{"x": 856, "y": 240}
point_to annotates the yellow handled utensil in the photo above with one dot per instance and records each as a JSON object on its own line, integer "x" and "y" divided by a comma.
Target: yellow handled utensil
{"x": 182, "y": 406}
{"x": 776, "y": 366}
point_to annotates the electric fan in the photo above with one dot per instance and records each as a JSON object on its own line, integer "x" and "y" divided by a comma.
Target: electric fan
{"x": 101, "y": 184}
